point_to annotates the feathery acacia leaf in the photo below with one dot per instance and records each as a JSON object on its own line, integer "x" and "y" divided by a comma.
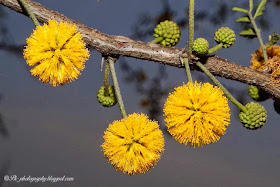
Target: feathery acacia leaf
{"x": 240, "y": 10}
{"x": 260, "y": 8}
{"x": 251, "y": 4}
{"x": 244, "y": 19}
{"x": 249, "y": 33}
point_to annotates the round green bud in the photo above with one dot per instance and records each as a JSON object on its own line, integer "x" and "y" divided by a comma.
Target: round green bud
{"x": 254, "y": 92}
{"x": 169, "y": 32}
{"x": 226, "y": 36}
{"x": 257, "y": 94}
{"x": 109, "y": 100}
{"x": 200, "y": 46}
{"x": 255, "y": 116}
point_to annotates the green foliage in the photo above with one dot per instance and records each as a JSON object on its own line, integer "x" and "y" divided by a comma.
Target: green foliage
{"x": 249, "y": 33}
{"x": 260, "y": 9}
{"x": 251, "y": 4}
{"x": 244, "y": 19}
{"x": 240, "y": 10}
{"x": 273, "y": 39}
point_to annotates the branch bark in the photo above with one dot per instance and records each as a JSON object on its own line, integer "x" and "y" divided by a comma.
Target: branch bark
{"x": 123, "y": 46}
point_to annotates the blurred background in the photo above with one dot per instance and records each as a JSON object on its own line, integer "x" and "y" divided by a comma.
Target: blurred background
{"x": 46, "y": 131}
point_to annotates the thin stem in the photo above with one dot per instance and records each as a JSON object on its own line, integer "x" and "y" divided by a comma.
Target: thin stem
{"x": 216, "y": 48}
{"x": 30, "y": 13}
{"x": 187, "y": 68}
{"x": 157, "y": 40}
{"x": 258, "y": 33}
{"x": 191, "y": 37}
{"x": 116, "y": 85}
{"x": 229, "y": 96}
{"x": 191, "y": 24}
{"x": 106, "y": 78}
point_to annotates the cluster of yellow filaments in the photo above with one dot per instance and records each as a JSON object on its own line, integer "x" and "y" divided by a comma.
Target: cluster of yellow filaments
{"x": 272, "y": 65}
{"x": 197, "y": 114}
{"x": 58, "y": 52}
{"x": 133, "y": 144}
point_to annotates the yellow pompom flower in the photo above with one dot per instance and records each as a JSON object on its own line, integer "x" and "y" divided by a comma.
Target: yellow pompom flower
{"x": 196, "y": 114}
{"x": 133, "y": 144}
{"x": 58, "y": 51}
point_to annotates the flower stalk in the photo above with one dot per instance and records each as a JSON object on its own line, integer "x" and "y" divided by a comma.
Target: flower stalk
{"x": 191, "y": 37}
{"x": 258, "y": 33}
{"x": 187, "y": 68}
{"x": 106, "y": 78}
{"x": 157, "y": 40}
{"x": 226, "y": 92}
{"x": 191, "y": 24}
{"x": 111, "y": 62}
{"x": 215, "y": 48}
{"x": 30, "y": 13}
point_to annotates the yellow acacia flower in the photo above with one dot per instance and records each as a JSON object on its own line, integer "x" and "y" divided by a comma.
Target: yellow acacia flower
{"x": 257, "y": 60}
{"x": 196, "y": 114}
{"x": 134, "y": 144}
{"x": 58, "y": 51}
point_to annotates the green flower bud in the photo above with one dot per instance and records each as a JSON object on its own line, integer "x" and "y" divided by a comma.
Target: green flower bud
{"x": 107, "y": 101}
{"x": 200, "y": 46}
{"x": 257, "y": 94}
{"x": 254, "y": 92}
{"x": 254, "y": 117}
{"x": 169, "y": 31}
{"x": 226, "y": 36}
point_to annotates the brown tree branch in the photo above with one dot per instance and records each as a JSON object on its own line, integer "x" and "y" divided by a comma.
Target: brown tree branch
{"x": 123, "y": 46}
